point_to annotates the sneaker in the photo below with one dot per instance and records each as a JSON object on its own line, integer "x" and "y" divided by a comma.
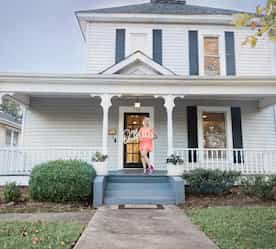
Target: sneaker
{"x": 152, "y": 169}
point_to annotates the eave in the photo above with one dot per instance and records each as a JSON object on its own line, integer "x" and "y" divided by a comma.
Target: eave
{"x": 89, "y": 83}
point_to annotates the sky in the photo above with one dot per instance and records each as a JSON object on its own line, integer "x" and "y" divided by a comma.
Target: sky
{"x": 39, "y": 36}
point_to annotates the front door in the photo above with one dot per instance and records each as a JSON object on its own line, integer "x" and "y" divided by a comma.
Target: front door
{"x": 132, "y": 123}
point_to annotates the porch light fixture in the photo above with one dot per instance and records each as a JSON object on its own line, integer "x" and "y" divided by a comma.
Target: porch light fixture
{"x": 137, "y": 104}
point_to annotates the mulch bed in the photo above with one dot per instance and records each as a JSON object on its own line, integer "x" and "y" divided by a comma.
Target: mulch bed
{"x": 25, "y": 205}
{"x": 234, "y": 199}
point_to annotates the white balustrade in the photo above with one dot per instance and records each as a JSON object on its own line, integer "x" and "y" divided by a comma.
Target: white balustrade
{"x": 246, "y": 161}
{"x": 20, "y": 161}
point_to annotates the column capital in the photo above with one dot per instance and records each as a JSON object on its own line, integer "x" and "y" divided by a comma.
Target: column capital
{"x": 169, "y": 102}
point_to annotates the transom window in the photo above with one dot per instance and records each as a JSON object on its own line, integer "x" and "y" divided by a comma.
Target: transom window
{"x": 211, "y": 56}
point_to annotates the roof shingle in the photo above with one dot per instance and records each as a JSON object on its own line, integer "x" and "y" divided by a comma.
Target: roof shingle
{"x": 173, "y": 8}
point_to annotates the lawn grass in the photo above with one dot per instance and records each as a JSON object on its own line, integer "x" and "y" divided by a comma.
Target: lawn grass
{"x": 26, "y": 235}
{"x": 238, "y": 228}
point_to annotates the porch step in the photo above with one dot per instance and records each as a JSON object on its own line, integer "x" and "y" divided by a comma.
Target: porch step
{"x": 138, "y": 190}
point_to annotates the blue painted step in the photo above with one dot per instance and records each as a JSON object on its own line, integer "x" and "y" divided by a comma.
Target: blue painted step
{"x": 138, "y": 190}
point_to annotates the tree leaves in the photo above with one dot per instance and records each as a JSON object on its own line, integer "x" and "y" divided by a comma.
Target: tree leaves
{"x": 263, "y": 22}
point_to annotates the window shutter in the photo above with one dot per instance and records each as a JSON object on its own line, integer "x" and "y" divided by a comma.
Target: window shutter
{"x": 120, "y": 45}
{"x": 237, "y": 133}
{"x": 230, "y": 53}
{"x": 192, "y": 132}
{"x": 193, "y": 52}
{"x": 157, "y": 46}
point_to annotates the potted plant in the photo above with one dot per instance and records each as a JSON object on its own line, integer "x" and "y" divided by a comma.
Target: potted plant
{"x": 174, "y": 163}
{"x": 99, "y": 163}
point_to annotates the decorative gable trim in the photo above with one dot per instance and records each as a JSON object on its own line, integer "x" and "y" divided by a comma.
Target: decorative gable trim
{"x": 139, "y": 57}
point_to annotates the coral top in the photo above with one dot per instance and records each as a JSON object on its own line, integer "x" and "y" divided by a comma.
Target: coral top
{"x": 146, "y": 138}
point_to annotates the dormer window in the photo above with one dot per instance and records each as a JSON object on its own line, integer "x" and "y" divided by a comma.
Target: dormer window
{"x": 211, "y": 56}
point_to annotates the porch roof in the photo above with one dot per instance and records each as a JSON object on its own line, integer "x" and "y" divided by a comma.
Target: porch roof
{"x": 263, "y": 88}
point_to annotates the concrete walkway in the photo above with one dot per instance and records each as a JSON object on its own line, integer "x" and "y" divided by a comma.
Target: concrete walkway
{"x": 142, "y": 229}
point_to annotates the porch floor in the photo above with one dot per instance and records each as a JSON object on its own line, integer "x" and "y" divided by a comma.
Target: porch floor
{"x": 135, "y": 172}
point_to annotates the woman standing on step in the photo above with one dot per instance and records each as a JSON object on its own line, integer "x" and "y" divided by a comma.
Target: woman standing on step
{"x": 146, "y": 137}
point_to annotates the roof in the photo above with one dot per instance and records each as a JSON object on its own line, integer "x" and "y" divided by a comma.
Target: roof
{"x": 162, "y": 8}
{"x": 6, "y": 118}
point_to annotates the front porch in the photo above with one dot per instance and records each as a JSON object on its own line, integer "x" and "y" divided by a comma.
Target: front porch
{"x": 226, "y": 123}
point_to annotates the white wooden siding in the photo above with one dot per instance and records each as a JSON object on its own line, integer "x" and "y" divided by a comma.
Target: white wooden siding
{"x": 100, "y": 47}
{"x": 63, "y": 122}
{"x": 77, "y": 122}
{"x": 249, "y": 61}
{"x": 254, "y": 61}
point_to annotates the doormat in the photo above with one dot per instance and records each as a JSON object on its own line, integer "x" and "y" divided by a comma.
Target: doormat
{"x": 141, "y": 207}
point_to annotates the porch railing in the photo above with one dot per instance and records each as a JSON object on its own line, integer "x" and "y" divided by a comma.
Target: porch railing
{"x": 246, "y": 161}
{"x": 20, "y": 161}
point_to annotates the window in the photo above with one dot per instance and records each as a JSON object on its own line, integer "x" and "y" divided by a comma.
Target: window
{"x": 8, "y": 137}
{"x": 12, "y": 137}
{"x": 211, "y": 56}
{"x": 15, "y": 138}
{"x": 214, "y": 130}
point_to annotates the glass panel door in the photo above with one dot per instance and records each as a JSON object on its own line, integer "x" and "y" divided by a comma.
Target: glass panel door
{"x": 132, "y": 123}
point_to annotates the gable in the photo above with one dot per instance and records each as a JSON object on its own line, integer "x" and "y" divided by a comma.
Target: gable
{"x": 138, "y": 64}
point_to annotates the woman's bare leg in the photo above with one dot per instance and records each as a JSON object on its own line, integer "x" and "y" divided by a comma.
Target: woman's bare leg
{"x": 144, "y": 163}
{"x": 144, "y": 155}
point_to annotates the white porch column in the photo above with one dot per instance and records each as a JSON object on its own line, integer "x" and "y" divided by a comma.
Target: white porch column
{"x": 106, "y": 104}
{"x": 169, "y": 105}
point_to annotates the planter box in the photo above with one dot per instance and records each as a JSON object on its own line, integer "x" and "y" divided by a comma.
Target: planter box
{"x": 175, "y": 170}
{"x": 101, "y": 168}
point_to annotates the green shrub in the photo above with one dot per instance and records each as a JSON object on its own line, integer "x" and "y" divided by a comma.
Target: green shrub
{"x": 202, "y": 181}
{"x": 62, "y": 181}
{"x": 263, "y": 187}
{"x": 12, "y": 192}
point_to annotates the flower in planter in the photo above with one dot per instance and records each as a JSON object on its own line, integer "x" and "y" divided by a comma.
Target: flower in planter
{"x": 174, "y": 159}
{"x": 99, "y": 157}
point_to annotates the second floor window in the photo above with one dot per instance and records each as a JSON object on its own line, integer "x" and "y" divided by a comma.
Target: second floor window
{"x": 211, "y": 56}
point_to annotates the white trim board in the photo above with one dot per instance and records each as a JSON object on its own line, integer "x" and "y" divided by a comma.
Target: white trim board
{"x": 122, "y": 111}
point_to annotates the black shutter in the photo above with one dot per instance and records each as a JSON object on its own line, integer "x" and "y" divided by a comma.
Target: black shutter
{"x": 157, "y": 46}
{"x": 193, "y": 53}
{"x": 237, "y": 134}
{"x": 192, "y": 132}
{"x": 120, "y": 45}
{"x": 230, "y": 53}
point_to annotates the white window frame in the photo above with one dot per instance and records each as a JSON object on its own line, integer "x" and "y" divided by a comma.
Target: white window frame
{"x": 221, "y": 40}
{"x": 228, "y": 128}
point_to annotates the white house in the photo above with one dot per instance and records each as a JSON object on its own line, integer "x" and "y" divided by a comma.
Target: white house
{"x": 209, "y": 97}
